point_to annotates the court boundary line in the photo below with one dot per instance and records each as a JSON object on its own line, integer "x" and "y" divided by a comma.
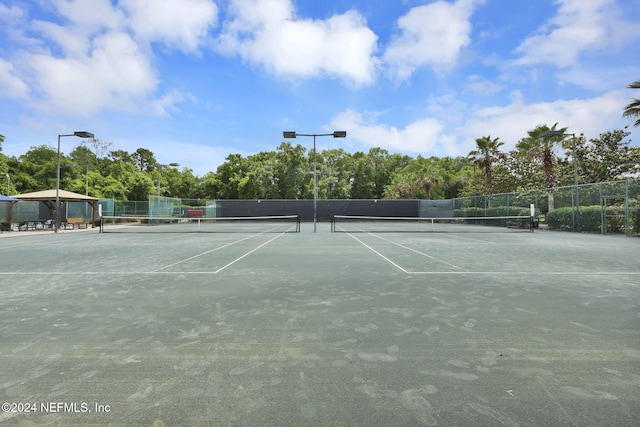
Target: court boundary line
{"x": 458, "y": 235}
{"x": 418, "y": 252}
{"x": 398, "y": 266}
{"x": 131, "y": 273}
{"x": 222, "y": 247}
{"x": 158, "y": 271}
{"x": 378, "y": 253}
{"x": 209, "y": 251}
{"x": 463, "y": 271}
{"x": 247, "y": 254}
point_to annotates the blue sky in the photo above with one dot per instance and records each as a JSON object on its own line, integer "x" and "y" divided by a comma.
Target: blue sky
{"x": 197, "y": 80}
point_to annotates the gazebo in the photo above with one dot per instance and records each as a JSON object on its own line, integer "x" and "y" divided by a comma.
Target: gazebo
{"x": 48, "y": 197}
{"x": 6, "y": 201}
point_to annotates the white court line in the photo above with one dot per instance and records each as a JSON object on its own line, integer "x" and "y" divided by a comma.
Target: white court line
{"x": 377, "y": 253}
{"x": 462, "y": 273}
{"x": 465, "y": 272}
{"x": 405, "y": 247}
{"x": 247, "y": 254}
{"x": 418, "y": 252}
{"x": 426, "y": 233}
{"x": 208, "y": 252}
{"x": 39, "y": 273}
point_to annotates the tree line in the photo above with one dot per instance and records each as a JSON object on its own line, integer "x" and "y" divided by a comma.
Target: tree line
{"x": 287, "y": 172}
{"x": 544, "y": 158}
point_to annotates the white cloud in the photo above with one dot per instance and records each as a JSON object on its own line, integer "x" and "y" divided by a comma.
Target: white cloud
{"x": 100, "y": 56}
{"x": 90, "y": 14}
{"x": 14, "y": 25}
{"x": 510, "y": 123}
{"x": 438, "y": 136}
{"x": 167, "y": 103}
{"x": 180, "y": 24}
{"x": 70, "y": 41}
{"x": 578, "y": 27}
{"x": 433, "y": 34}
{"x": 114, "y": 76}
{"x": 479, "y": 85}
{"x": 267, "y": 33}
{"x": 11, "y": 86}
{"x": 421, "y": 136}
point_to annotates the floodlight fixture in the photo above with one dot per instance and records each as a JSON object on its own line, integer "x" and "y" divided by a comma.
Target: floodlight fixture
{"x": 83, "y": 134}
{"x": 335, "y": 134}
{"x": 549, "y": 133}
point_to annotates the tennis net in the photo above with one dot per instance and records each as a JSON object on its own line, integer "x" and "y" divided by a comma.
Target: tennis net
{"x": 372, "y": 224}
{"x": 250, "y": 224}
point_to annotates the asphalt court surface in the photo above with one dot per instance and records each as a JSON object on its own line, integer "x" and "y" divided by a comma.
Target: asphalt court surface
{"x": 320, "y": 329}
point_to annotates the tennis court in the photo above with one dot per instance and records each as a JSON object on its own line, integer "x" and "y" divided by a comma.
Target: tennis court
{"x": 351, "y": 328}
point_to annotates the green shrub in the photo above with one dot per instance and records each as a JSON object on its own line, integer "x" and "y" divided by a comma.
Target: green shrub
{"x": 590, "y": 219}
{"x": 498, "y": 211}
{"x": 560, "y": 219}
{"x": 634, "y": 214}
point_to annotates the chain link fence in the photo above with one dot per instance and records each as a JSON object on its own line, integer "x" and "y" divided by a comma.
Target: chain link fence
{"x": 605, "y": 207}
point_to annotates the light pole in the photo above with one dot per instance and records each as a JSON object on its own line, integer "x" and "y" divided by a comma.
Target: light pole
{"x": 80, "y": 134}
{"x": 160, "y": 168}
{"x": 550, "y": 133}
{"x": 6, "y": 175}
{"x": 336, "y": 134}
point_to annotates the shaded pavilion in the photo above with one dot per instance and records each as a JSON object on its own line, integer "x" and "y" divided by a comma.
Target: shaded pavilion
{"x": 48, "y": 197}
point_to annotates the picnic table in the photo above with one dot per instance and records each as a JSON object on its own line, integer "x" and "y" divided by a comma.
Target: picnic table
{"x": 31, "y": 225}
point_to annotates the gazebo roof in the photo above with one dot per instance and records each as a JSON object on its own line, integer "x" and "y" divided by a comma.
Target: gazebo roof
{"x": 50, "y": 195}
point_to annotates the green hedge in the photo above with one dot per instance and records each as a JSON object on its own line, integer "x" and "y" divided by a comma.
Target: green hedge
{"x": 591, "y": 219}
{"x": 498, "y": 211}
{"x": 634, "y": 217}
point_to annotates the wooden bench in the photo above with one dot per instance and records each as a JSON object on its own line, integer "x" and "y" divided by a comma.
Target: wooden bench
{"x": 75, "y": 222}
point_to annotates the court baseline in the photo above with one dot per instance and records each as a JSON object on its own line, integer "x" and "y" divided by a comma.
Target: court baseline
{"x": 186, "y": 273}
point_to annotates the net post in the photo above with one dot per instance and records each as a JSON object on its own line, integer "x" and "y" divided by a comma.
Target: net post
{"x": 532, "y": 212}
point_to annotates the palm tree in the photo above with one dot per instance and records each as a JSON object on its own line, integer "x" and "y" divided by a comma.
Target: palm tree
{"x": 487, "y": 153}
{"x": 536, "y": 145}
{"x": 401, "y": 188}
{"x": 633, "y": 109}
{"x": 415, "y": 180}
{"x": 426, "y": 179}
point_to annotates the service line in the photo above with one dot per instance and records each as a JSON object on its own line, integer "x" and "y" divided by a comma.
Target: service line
{"x": 208, "y": 252}
{"x": 420, "y": 253}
